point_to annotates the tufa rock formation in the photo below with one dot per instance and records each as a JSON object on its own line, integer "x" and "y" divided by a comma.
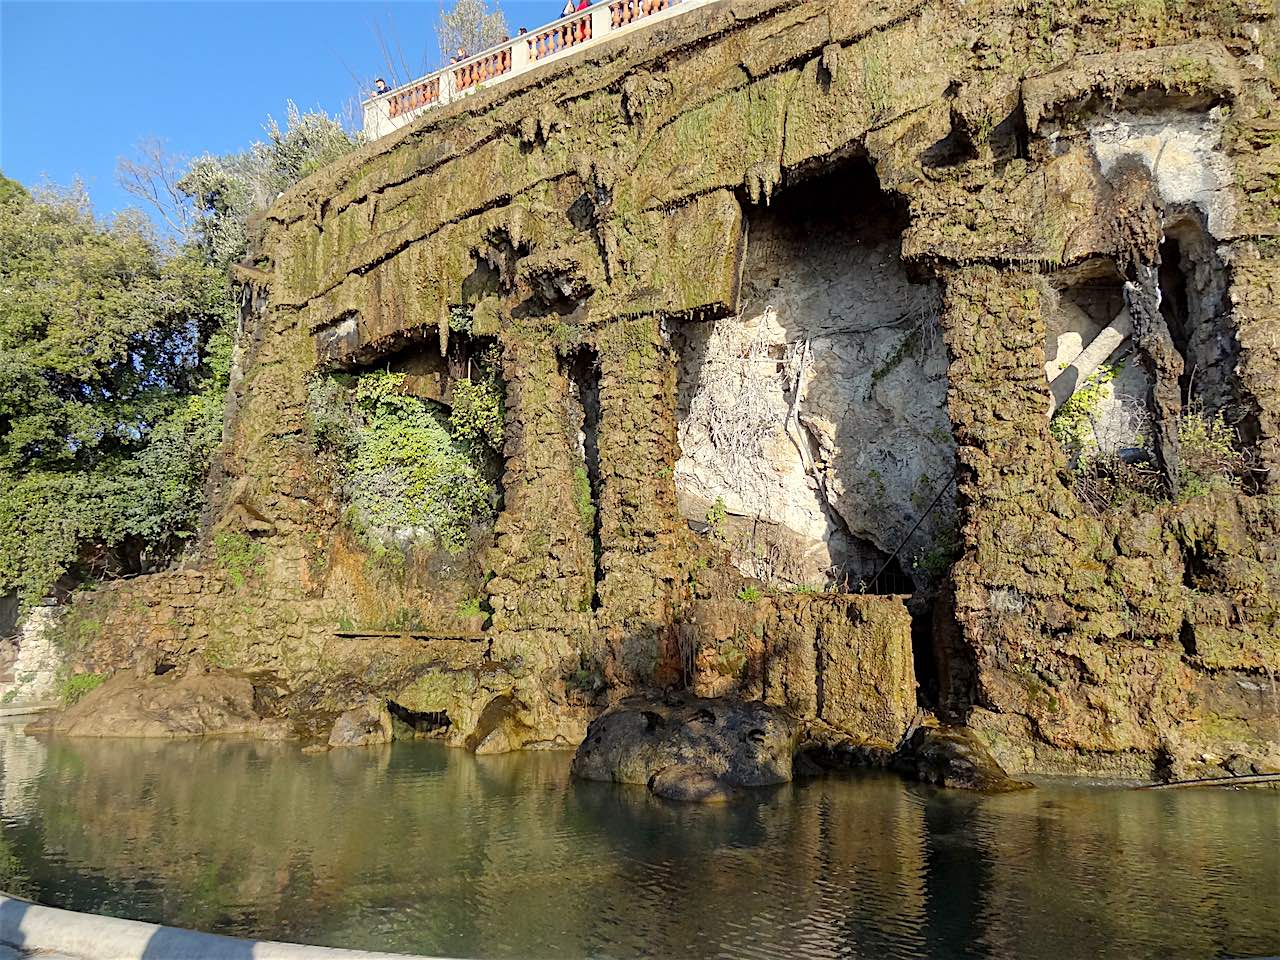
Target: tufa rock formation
{"x": 684, "y": 748}
{"x": 783, "y": 294}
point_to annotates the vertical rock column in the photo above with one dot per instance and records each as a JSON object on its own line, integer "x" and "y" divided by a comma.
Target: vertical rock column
{"x": 1255, "y": 294}
{"x": 543, "y": 561}
{"x": 1255, "y": 269}
{"x": 638, "y": 516}
{"x": 1014, "y": 507}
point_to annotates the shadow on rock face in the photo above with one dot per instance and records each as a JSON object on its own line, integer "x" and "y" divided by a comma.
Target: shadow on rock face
{"x": 685, "y": 748}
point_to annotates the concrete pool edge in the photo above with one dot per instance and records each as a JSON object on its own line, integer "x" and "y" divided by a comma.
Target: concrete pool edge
{"x": 31, "y": 928}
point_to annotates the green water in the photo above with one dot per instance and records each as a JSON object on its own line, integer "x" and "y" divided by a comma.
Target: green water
{"x": 419, "y": 848}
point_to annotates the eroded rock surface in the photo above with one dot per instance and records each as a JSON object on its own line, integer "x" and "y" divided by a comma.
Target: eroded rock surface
{"x": 604, "y": 219}
{"x": 953, "y": 757}
{"x": 196, "y": 702}
{"x": 362, "y": 726}
{"x": 817, "y": 414}
{"x": 687, "y": 748}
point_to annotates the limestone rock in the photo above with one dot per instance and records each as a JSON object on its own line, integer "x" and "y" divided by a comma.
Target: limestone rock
{"x": 196, "y": 702}
{"x": 845, "y": 661}
{"x": 817, "y": 415}
{"x": 32, "y": 672}
{"x": 362, "y": 726}
{"x": 953, "y": 757}
{"x": 689, "y": 749}
{"x": 499, "y": 729}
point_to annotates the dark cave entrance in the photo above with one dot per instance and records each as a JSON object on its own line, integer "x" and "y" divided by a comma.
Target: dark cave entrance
{"x": 414, "y": 725}
{"x": 582, "y": 369}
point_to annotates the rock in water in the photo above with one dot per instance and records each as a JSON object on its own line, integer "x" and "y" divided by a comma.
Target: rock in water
{"x": 362, "y": 726}
{"x": 684, "y": 748}
{"x": 690, "y": 784}
{"x": 196, "y": 702}
{"x": 953, "y": 757}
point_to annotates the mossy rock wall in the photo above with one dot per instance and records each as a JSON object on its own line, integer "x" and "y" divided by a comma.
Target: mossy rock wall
{"x": 599, "y": 201}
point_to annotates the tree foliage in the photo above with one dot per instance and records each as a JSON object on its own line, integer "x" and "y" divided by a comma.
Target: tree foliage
{"x": 470, "y": 25}
{"x": 113, "y": 361}
{"x": 227, "y": 192}
{"x": 115, "y": 354}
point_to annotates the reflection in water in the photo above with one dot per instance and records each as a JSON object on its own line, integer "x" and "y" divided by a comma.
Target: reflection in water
{"x": 419, "y": 848}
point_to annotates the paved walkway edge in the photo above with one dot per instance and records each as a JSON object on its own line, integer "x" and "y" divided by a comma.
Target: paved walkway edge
{"x": 29, "y": 927}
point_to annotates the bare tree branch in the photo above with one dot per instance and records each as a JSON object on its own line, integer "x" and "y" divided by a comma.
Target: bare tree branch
{"x": 152, "y": 176}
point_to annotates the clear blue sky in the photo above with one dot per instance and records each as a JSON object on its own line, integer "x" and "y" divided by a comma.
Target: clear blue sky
{"x": 81, "y": 83}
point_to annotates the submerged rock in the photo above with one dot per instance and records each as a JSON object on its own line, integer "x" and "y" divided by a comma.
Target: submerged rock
{"x": 685, "y": 748}
{"x": 953, "y": 757}
{"x": 362, "y": 726}
{"x": 199, "y": 701}
{"x": 690, "y": 784}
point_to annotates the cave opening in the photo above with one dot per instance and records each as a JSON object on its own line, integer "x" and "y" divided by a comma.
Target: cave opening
{"x": 924, "y": 651}
{"x": 815, "y": 443}
{"x": 1117, "y": 397}
{"x": 812, "y": 424}
{"x": 410, "y": 440}
{"x": 582, "y": 369}
{"x": 1196, "y": 309}
{"x": 409, "y": 724}
{"x": 1100, "y": 390}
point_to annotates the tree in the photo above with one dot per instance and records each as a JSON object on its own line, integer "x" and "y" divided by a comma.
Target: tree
{"x": 228, "y": 191}
{"x": 115, "y": 354}
{"x": 113, "y": 362}
{"x": 152, "y": 176}
{"x": 11, "y": 190}
{"x": 211, "y": 204}
{"x": 471, "y": 26}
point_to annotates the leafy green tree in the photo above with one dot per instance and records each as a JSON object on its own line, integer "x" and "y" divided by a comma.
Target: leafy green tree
{"x": 113, "y": 362}
{"x": 228, "y": 192}
{"x": 115, "y": 354}
{"x": 11, "y": 190}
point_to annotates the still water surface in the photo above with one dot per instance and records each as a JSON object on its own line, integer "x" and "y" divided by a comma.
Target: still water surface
{"x": 418, "y": 848}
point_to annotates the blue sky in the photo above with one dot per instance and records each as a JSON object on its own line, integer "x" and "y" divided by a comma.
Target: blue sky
{"x": 81, "y": 83}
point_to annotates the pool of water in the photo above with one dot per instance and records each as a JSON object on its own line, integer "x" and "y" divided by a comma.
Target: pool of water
{"x": 419, "y": 848}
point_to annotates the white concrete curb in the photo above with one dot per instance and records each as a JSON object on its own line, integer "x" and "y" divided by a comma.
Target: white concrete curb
{"x": 29, "y": 927}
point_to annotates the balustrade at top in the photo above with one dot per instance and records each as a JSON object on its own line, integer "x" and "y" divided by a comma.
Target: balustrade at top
{"x": 389, "y": 111}
{"x": 488, "y": 66}
{"x": 561, "y": 35}
{"x": 422, "y": 94}
{"x": 624, "y": 12}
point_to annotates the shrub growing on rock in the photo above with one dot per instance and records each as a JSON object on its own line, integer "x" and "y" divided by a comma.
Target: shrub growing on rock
{"x": 407, "y": 478}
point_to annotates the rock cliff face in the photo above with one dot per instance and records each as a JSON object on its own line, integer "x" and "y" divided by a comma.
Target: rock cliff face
{"x": 827, "y": 263}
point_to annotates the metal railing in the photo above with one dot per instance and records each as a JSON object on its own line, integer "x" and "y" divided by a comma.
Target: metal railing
{"x": 389, "y": 111}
